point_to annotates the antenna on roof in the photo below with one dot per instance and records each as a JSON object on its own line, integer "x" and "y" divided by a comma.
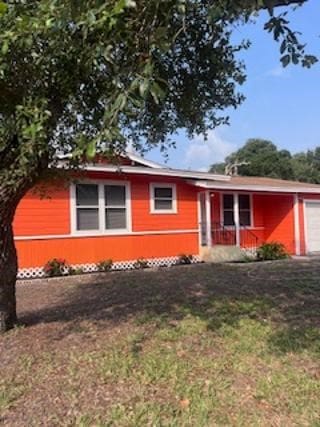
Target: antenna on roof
{"x": 232, "y": 169}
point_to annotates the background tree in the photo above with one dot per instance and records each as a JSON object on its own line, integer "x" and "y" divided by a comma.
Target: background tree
{"x": 262, "y": 158}
{"x": 259, "y": 157}
{"x": 80, "y": 77}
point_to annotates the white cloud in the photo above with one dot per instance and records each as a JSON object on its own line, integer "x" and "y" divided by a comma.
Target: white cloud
{"x": 201, "y": 153}
{"x": 278, "y": 71}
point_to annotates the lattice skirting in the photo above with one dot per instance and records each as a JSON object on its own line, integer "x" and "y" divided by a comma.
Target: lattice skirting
{"x": 35, "y": 272}
{"x": 250, "y": 251}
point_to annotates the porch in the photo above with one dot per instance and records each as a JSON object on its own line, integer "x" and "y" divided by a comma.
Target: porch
{"x": 247, "y": 220}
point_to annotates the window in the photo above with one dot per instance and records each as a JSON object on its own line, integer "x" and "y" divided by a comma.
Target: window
{"x": 244, "y": 210}
{"x": 228, "y": 209}
{"x": 101, "y": 207}
{"x": 87, "y": 201}
{"x": 163, "y": 198}
{"x": 244, "y": 203}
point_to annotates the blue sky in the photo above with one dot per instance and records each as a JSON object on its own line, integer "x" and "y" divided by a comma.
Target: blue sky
{"x": 282, "y": 105}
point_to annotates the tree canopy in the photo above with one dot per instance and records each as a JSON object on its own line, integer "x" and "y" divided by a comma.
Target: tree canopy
{"x": 259, "y": 157}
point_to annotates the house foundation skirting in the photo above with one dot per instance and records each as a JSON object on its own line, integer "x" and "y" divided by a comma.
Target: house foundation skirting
{"x": 37, "y": 272}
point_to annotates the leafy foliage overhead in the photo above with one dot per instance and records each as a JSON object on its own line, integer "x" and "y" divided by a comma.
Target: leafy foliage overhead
{"x": 77, "y": 77}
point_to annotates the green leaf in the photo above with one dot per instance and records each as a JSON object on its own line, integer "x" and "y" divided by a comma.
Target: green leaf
{"x": 91, "y": 150}
{"x": 5, "y": 47}
{"x": 283, "y": 47}
{"x": 3, "y": 8}
{"x": 144, "y": 87}
{"x": 285, "y": 60}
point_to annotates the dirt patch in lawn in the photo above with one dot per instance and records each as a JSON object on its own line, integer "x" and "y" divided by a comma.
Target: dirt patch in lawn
{"x": 195, "y": 345}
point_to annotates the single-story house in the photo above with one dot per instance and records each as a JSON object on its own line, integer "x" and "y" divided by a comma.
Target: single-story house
{"x": 140, "y": 209}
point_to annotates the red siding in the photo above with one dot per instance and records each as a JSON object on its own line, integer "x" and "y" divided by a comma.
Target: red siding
{"x": 93, "y": 249}
{"x": 51, "y": 216}
{"x": 279, "y": 220}
{"x": 46, "y": 215}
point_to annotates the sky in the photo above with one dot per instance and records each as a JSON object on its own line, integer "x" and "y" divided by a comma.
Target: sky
{"x": 282, "y": 105}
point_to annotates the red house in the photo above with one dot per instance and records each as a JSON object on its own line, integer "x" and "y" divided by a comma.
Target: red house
{"x": 139, "y": 209}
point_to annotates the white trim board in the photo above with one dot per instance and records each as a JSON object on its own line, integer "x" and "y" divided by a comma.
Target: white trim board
{"x": 140, "y": 170}
{"x": 132, "y": 233}
{"x": 254, "y": 188}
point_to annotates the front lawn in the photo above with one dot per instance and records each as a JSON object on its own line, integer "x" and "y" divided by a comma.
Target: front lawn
{"x": 201, "y": 345}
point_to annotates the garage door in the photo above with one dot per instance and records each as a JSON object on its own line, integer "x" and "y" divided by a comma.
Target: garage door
{"x": 313, "y": 226}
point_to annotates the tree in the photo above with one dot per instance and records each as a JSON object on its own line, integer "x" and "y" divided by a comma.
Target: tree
{"x": 306, "y": 166}
{"x": 259, "y": 157}
{"x": 81, "y": 77}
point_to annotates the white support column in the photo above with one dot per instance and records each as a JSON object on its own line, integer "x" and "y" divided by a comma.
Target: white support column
{"x": 296, "y": 224}
{"x": 208, "y": 219}
{"x": 236, "y": 217}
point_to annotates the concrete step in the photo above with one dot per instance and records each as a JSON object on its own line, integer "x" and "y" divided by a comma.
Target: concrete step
{"x": 221, "y": 253}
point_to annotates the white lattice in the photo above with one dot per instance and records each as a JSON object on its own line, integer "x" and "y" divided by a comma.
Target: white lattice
{"x": 250, "y": 251}
{"x": 37, "y": 272}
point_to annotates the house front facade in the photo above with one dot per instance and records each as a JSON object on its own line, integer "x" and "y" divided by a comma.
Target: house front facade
{"x": 139, "y": 209}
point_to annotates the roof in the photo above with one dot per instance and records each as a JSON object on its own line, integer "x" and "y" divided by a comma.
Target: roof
{"x": 272, "y": 182}
{"x": 254, "y": 183}
{"x": 142, "y": 170}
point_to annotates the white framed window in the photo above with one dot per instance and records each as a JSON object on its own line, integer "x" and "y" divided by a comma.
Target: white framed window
{"x": 100, "y": 208}
{"x": 163, "y": 198}
{"x": 244, "y": 208}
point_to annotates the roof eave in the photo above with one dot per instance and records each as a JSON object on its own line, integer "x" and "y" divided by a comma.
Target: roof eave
{"x": 255, "y": 188}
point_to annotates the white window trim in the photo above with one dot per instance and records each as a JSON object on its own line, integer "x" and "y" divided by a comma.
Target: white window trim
{"x": 237, "y": 194}
{"x": 152, "y": 187}
{"x": 102, "y": 231}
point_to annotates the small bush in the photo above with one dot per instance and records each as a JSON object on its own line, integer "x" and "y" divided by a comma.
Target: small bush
{"x": 272, "y": 251}
{"x": 105, "y": 265}
{"x": 56, "y": 267}
{"x": 140, "y": 264}
{"x": 75, "y": 271}
{"x": 184, "y": 259}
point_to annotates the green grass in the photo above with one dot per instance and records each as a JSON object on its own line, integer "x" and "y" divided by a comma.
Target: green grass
{"x": 234, "y": 353}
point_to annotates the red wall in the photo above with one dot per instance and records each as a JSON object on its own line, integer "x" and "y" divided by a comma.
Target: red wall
{"x": 273, "y": 219}
{"x": 37, "y": 216}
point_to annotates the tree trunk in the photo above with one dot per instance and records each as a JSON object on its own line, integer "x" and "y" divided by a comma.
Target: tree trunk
{"x": 8, "y": 274}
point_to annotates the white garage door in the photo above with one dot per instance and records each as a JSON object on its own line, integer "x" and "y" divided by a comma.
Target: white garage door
{"x": 313, "y": 226}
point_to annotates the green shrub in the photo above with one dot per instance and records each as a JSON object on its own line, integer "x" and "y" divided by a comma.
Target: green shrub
{"x": 74, "y": 271}
{"x": 56, "y": 267}
{"x": 104, "y": 265}
{"x": 272, "y": 251}
{"x": 184, "y": 259}
{"x": 140, "y": 264}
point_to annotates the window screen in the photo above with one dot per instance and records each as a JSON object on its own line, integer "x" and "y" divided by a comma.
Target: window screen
{"x": 244, "y": 210}
{"x": 228, "y": 213}
{"x": 89, "y": 211}
{"x": 115, "y": 206}
{"x": 163, "y": 198}
{"x": 87, "y": 206}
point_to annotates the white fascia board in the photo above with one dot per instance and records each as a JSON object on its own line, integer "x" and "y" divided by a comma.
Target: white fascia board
{"x": 157, "y": 171}
{"x": 255, "y": 188}
{"x": 143, "y": 161}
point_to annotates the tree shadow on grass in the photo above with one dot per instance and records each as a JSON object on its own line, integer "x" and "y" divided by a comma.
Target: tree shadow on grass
{"x": 287, "y": 293}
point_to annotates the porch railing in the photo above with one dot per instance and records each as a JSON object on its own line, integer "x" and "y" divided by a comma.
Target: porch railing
{"x": 227, "y": 235}
{"x": 222, "y": 235}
